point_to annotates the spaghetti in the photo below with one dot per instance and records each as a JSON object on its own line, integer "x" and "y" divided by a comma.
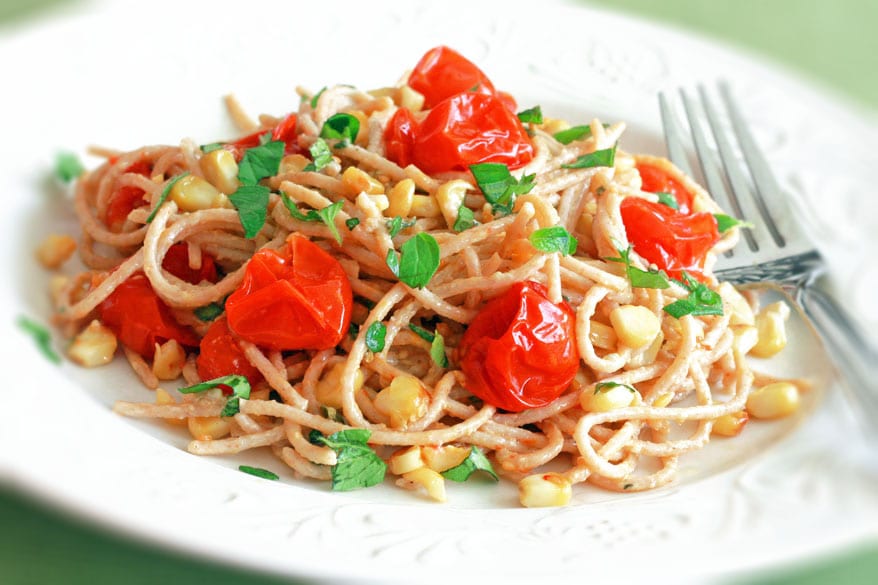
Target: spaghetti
{"x": 175, "y": 276}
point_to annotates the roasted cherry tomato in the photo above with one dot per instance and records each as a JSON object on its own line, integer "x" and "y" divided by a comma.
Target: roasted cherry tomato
{"x": 176, "y": 261}
{"x": 658, "y": 180}
{"x": 399, "y": 137}
{"x": 295, "y": 298}
{"x": 671, "y": 240}
{"x": 220, "y": 355}
{"x": 470, "y": 128}
{"x": 520, "y": 350}
{"x": 443, "y": 72}
{"x": 126, "y": 198}
{"x": 285, "y": 132}
{"x": 139, "y": 318}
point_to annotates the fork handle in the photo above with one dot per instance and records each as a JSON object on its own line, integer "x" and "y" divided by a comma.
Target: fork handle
{"x": 854, "y": 356}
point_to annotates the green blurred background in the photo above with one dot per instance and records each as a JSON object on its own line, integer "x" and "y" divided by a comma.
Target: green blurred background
{"x": 830, "y": 42}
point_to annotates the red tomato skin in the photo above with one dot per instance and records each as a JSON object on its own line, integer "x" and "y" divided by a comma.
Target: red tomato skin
{"x": 285, "y": 131}
{"x": 139, "y": 318}
{"x": 520, "y": 350}
{"x": 443, "y": 72}
{"x": 673, "y": 241}
{"x": 658, "y": 180}
{"x": 176, "y": 261}
{"x": 295, "y": 298}
{"x": 471, "y": 128}
{"x": 126, "y": 198}
{"x": 399, "y": 137}
{"x": 220, "y": 355}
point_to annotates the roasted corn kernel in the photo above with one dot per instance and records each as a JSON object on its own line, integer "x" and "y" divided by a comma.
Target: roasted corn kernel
{"x": 544, "y": 490}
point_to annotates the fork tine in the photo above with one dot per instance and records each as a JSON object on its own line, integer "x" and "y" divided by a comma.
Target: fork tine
{"x": 763, "y": 179}
{"x": 712, "y": 174}
{"x": 673, "y": 137}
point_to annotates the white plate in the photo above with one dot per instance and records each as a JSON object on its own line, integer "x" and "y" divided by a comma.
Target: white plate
{"x": 111, "y": 75}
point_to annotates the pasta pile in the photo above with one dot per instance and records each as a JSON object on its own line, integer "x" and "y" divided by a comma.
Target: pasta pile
{"x": 634, "y": 407}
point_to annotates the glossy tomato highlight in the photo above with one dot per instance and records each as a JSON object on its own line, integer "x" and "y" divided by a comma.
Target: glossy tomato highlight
{"x": 220, "y": 355}
{"x": 298, "y": 297}
{"x": 520, "y": 350}
{"x": 443, "y": 72}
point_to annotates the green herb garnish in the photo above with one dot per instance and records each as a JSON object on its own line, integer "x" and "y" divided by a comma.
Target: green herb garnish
{"x": 475, "y": 461}
{"x": 640, "y": 278}
{"x": 240, "y": 389}
{"x": 726, "y": 222}
{"x": 465, "y": 219}
{"x": 422, "y": 333}
{"x": 417, "y": 260}
{"x": 341, "y": 127}
{"x": 499, "y": 186}
{"x": 206, "y": 148}
{"x": 375, "y": 336}
{"x": 598, "y": 158}
{"x": 41, "y": 337}
{"x": 320, "y": 156}
{"x": 209, "y": 312}
{"x": 604, "y": 386}
{"x": 574, "y": 133}
{"x": 701, "y": 300}
{"x": 357, "y": 465}
{"x": 532, "y": 115}
{"x": 668, "y": 199}
{"x": 164, "y": 196}
{"x": 251, "y": 201}
{"x": 259, "y": 472}
{"x": 67, "y": 166}
{"x": 437, "y": 351}
{"x": 397, "y": 224}
{"x": 316, "y": 97}
{"x": 553, "y": 239}
{"x": 261, "y": 161}
{"x": 352, "y": 222}
{"x": 325, "y": 215}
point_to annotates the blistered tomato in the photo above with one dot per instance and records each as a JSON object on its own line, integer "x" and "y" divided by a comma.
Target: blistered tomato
{"x": 298, "y": 297}
{"x": 399, "y": 137}
{"x": 658, "y": 180}
{"x": 673, "y": 241}
{"x": 219, "y": 355}
{"x": 126, "y": 198}
{"x": 520, "y": 350}
{"x": 443, "y": 72}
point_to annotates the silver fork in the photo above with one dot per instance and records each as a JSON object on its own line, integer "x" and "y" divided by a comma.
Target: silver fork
{"x": 773, "y": 250}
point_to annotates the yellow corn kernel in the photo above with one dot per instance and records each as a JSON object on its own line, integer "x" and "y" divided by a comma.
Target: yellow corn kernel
{"x": 208, "y": 428}
{"x": 411, "y": 99}
{"x": 450, "y": 196}
{"x": 162, "y": 398}
{"x": 391, "y": 92}
{"x": 602, "y": 336}
{"x": 328, "y": 391}
{"x": 405, "y": 460}
{"x": 293, "y": 163}
{"x": 94, "y": 346}
{"x": 730, "y": 425}
{"x": 403, "y": 401}
{"x": 746, "y": 337}
{"x": 356, "y": 181}
{"x": 192, "y": 193}
{"x": 771, "y": 323}
{"x": 425, "y": 206}
{"x": 662, "y": 400}
{"x": 444, "y": 457}
{"x": 168, "y": 361}
{"x": 646, "y": 355}
{"x": 554, "y": 125}
{"x": 429, "y": 480}
{"x": 400, "y": 198}
{"x": 219, "y": 167}
{"x": 362, "y": 134}
{"x": 381, "y": 201}
{"x": 741, "y": 313}
{"x": 775, "y": 400}
{"x": 607, "y": 398}
{"x": 55, "y": 250}
{"x": 544, "y": 490}
{"x": 635, "y": 325}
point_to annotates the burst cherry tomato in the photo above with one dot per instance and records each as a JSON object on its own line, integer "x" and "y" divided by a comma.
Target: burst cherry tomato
{"x": 295, "y": 298}
{"x": 139, "y": 318}
{"x": 399, "y": 137}
{"x": 126, "y": 198}
{"x": 220, "y": 355}
{"x": 176, "y": 261}
{"x": 671, "y": 240}
{"x": 520, "y": 350}
{"x": 658, "y": 180}
{"x": 470, "y": 128}
{"x": 443, "y": 72}
{"x": 285, "y": 132}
